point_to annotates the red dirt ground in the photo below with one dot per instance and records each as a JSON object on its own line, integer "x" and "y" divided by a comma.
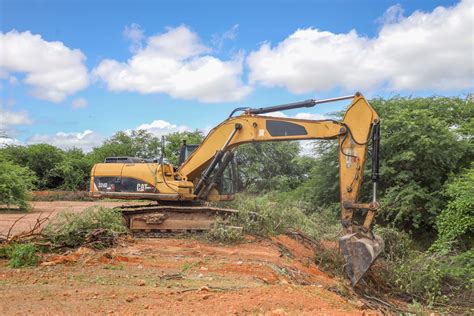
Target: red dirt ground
{"x": 174, "y": 277}
{"x": 44, "y": 209}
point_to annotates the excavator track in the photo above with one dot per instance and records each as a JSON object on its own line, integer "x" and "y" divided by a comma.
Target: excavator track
{"x": 165, "y": 221}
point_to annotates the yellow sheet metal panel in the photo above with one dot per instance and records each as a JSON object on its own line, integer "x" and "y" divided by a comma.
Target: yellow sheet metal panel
{"x": 107, "y": 169}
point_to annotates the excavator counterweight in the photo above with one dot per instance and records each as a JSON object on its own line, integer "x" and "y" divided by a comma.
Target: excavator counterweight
{"x": 207, "y": 173}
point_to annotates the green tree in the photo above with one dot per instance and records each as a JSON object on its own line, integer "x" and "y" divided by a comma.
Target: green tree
{"x": 271, "y": 166}
{"x": 74, "y": 170}
{"x": 134, "y": 144}
{"x": 423, "y": 142}
{"x": 175, "y": 140}
{"x": 40, "y": 158}
{"x": 16, "y": 182}
{"x": 455, "y": 224}
{"x": 15, "y": 154}
{"x": 322, "y": 185}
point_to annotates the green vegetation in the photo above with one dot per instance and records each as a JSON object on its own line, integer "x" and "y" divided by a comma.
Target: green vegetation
{"x": 424, "y": 141}
{"x": 15, "y": 184}
{"x": 455, "y": 224}
{"x": 39, "y": 158}
{"x": 119, "y": 267}
{"x": 20, "y": 255}
{"x": 97, "y": 227}
{"x": 223, "y": 233}
{"x": 134, "y": 143}
{"x": 175, "y": 140}
{"x": 188, "y": 266}
{"x": 268, "y": 214}
{"x": 73, "y": 170}
{"x": 271, "y": 166}
{"x": 434, "y": 279}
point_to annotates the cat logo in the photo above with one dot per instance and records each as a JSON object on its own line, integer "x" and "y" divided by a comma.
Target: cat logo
{"x": 142, "y": 187}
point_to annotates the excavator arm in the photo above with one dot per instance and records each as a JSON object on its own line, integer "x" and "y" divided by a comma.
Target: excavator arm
{"x": 359, "y": 124}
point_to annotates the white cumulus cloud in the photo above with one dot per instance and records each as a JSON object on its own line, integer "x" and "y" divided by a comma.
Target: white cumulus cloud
{"x": 83, "y": 140}
{"x": 9, "y": 119}
{"x": 425, "y": 51}
{"x": 159, "y": 128}
{"x": 310, "y": 116}
{"x": 7, "y": 141}
{"x": 53, "y": 70}
{"x": 178, "y": 64}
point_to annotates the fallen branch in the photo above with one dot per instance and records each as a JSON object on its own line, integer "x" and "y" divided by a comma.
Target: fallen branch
{"x": 7, "y": 236}
{"x": 34, "y": 231}
{"x": 297, "y": 234}
{"x": 378, "y": 300}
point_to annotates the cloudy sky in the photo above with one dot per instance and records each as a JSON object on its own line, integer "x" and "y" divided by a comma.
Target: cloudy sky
{"x": 74, "y": 72}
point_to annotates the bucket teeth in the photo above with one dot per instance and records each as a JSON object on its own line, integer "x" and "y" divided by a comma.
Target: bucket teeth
{"x": 359, "y": 253}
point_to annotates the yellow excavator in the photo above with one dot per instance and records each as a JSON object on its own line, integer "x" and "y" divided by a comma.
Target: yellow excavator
{"x": 206, "y": 172}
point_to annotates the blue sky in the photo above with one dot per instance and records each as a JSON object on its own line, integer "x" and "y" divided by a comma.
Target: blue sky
{"x": 75, "y": 72}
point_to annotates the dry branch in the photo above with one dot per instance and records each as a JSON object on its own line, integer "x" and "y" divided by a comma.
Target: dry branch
{"x": 35, "y": 230}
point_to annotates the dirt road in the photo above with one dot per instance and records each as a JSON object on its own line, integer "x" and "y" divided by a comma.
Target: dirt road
{"x": 176, "y": 277}
{"x": 43, "y": 209}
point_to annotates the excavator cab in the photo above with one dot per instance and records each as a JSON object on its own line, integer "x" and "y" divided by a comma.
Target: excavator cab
{"x": 185, "y": 151}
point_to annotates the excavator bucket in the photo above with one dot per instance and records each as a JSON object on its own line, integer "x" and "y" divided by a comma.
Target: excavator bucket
{"x": 359, "y": 253}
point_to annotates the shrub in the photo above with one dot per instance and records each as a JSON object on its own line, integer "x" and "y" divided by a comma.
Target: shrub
{"x": 330, "y": 260}
{"x": 397, "y": 244}
{"x": 434, "y": 279}
{"x": 265, "y": 215}
{"x": 327, "y": 222}
{"x": 15, "y": 184}
{"x": 455, "y": 224}
{"x": 420, "y": 277}
{"x": 42, "y": 160}
{"x": 23, "y": 255}
{"x": 5, "y": 251}
{"x": 277, "y": 213}
{"x": 74, "y": 171}
{"x": 225, "y": 234}
{"x": 71, "y": 230}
